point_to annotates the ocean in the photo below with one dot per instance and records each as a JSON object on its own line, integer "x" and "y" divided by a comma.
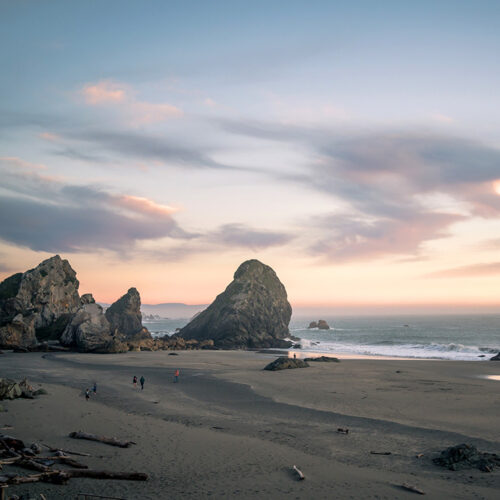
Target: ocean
{"x": 458, "y": 337}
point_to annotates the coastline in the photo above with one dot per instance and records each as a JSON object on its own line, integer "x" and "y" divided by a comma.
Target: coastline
{"x": 230, "y": 429}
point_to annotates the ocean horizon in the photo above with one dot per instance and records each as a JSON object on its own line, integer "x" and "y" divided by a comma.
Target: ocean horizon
{"x": 466, "y": 337}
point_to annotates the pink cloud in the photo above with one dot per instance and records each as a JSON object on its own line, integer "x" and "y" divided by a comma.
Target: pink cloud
{"x": 122, "y": 98}
{"x": 143, "y": 205}
{"x": 103, "y": 92}
{"x": 474, "y": 270}
{"x": 48, "y": 136}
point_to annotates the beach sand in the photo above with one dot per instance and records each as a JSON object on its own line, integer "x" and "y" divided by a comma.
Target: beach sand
{"x": 228, "y": 429}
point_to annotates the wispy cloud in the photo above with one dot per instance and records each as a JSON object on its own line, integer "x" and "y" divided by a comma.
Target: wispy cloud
{"x": 243, "y": 236}
{"x": 475, "y": 270}
{"x": 387, "y": 178}
{"x": 47, "y": 214}
{"x": 121, "y": 97}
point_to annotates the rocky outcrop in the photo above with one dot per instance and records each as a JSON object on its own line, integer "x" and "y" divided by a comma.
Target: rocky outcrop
{"x": 466, "y": 456}
{"x": 286, "y": 364}
{"x": 125, "y": 318}
{"x": 495, "y": 358}
{"x": 321, "y": 324}
{"x": 323, "y": 359}
{"x": 38, "y": 304}
{"x": 88, "y": 330}
{"x": 253, "y": 311}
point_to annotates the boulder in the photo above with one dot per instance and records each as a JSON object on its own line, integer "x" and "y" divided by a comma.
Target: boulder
{"x": 38, "y": 303}
{"x": 88, "y": 330}
{"x": 466, "y": 456}
{"x": 9, "y": 389}
{"x": 285, "y": 364}
{"x": 495, "y": 358}
{"x": 313, "y": 324}
{"x": 125, "y": 318}
{"x": 253, "y": 311}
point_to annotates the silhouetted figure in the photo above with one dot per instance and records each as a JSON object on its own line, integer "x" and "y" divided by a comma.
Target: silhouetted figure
{"x": 87, "y": 394}
{"x": 94, "y": 388}
{"x": 134, "y": 381}
{"x": 142, "y": 382}
{"x": 176, "y": 375}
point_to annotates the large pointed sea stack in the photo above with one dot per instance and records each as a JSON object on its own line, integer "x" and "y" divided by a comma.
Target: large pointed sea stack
{"x": 253, "y": 311}
{"x": 37, "y": 304}
{"x": 125, "y": 317}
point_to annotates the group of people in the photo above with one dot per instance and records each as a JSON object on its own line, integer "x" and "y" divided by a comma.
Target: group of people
{"x": 87, "y": 391}
{"x": 142, "y": 380}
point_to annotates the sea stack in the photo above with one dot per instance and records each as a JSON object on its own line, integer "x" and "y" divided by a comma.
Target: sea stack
{"x": 125, "y": 317}
{"x": 253, "y": 311}
{"x": 38, "y": 304}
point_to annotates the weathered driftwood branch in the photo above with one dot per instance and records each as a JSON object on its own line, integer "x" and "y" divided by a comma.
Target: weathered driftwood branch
{"x": 380, "y": 452}
{"x": 102, "y": 439}
{"x": 414, "y": 489}
{"x": 62, "y": 477}
{"x": 51, "y": 448}
{"x": 299, "y": 473}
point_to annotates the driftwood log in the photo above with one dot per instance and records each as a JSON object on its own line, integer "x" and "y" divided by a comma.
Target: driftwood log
{"x": 413, "y": 489}
{"x": 101, "y": 439}
{"x": 62, "y": 477}
{"x": 299, "y": 473}
{"x": 66, "y": 452}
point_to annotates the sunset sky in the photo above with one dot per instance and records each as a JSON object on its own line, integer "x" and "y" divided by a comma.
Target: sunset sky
{"x": 352, "y": 146}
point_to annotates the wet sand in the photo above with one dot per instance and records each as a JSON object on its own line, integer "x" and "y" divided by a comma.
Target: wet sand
{"x": 228, "y": 429}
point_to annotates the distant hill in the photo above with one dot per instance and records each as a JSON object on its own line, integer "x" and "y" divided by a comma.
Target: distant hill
{"x": 173, "y": 310}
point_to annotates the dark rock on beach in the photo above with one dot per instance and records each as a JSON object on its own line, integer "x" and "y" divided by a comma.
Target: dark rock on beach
{"x": 324, "y": 359}
{"x": 466, "y": 456}
{"x": 38, "y": 304}
{"x": 253, "y": 311}
{"x": 285, "y": 364}
{"x": 495, "y": 358}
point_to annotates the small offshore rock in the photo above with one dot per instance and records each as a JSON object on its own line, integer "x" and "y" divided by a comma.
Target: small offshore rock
{"x": 286, "y": 363}
{"x": 313, "y": 324}
{"x": 495, "y": 358}
{"x": 324, "y": 359}
{"x": 321, "y": 324}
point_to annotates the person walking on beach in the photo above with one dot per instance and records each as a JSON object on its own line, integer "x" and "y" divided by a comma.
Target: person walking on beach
{"x": 134, "y": 381}
{"x": 142, "y": 382}
{"x": 176, "y": 375}
{"x": 94, "y": 389}
{"x": 87, "y": 394}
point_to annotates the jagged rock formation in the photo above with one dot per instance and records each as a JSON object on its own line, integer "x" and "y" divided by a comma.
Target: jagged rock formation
{"x": 253, "y": 311}
{"x": 125, "y": 318}
{"x": 286, "y": 364}
{"x": 38, "y": 304}
{"x": 88, "y": 330}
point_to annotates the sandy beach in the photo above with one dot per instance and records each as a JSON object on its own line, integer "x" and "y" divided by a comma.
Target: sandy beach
{"x": 228, "y": 429}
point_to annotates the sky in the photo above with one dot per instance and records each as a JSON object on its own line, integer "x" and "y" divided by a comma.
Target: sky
{"x": 352, "y": 146}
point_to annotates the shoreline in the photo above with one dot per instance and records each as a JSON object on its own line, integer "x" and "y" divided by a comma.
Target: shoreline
{"x": 231, "y": 429}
